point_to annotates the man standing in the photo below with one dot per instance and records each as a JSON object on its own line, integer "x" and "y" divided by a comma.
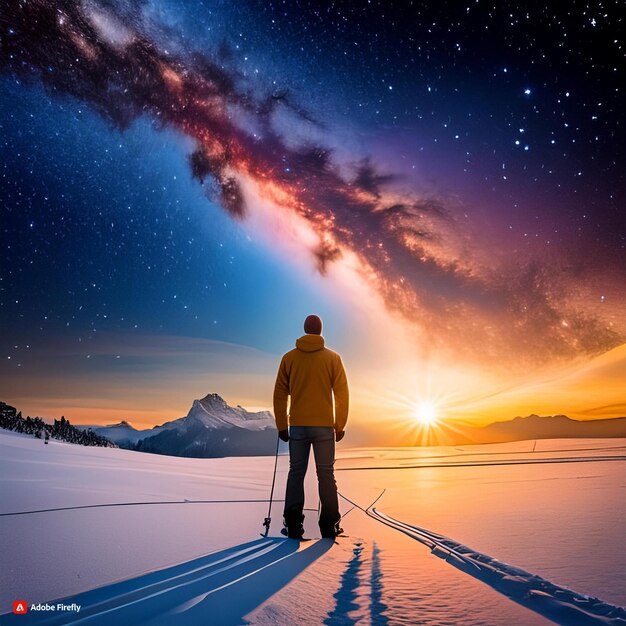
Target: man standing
{"x": 312, "y": 376}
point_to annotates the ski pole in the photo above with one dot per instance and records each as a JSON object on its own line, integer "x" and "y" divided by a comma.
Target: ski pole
{"x": 268, "y": 520}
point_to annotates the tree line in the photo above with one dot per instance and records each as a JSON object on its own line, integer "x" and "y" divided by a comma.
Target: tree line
{"x": 62, "y": 429}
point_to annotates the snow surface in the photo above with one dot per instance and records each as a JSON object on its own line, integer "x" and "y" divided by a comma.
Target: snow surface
{"x": 550, "y": 512}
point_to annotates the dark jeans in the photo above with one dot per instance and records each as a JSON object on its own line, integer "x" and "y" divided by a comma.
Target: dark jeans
{"x": 323, "y": 440}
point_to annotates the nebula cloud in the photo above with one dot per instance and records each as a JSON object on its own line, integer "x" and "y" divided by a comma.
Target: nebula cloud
{"x": 411, "y": 249}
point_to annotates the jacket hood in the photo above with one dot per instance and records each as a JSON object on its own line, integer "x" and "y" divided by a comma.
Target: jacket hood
{"x": 310, "y": 343}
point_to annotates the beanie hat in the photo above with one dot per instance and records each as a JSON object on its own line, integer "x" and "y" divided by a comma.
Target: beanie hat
{"x": 313, "y": 325}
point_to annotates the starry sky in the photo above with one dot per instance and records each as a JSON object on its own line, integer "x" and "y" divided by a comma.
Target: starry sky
{"x": 183, "y": 182}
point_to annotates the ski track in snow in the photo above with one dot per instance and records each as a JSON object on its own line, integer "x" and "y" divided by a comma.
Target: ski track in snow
{"x": 559, "y": 604}
{"x": 495, "y": 463}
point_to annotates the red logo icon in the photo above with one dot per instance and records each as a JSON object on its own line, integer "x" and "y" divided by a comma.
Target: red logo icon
{"x": 20, "y": 606}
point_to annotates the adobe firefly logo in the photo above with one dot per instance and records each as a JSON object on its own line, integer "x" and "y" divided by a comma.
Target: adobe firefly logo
{"x": 20, "y": 607}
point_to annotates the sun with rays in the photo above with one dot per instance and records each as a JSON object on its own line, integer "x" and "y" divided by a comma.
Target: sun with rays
{"x": 423, "y": 417}
{"x": 425, "y": 413}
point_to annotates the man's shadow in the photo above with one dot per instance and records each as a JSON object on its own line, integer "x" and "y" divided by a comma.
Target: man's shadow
{"x": 351, "y": 585}
{"x": 219, "y": 588}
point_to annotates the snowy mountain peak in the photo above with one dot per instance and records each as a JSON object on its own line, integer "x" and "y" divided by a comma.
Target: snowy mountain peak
{"x": 214, "y": 412}
{"x": 211, "y": 428}
{"x": 213, "y": 400}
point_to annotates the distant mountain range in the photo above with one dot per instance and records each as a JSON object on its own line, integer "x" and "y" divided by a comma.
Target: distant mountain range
{"x": 212, "y": 428}
{"x": 548, "y": 427}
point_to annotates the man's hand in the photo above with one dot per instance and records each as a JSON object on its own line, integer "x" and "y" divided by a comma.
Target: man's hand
{"x": 284, "y": 434}
{"x": 339, "y": 435}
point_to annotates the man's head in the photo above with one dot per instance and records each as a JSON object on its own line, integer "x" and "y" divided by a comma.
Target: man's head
{"x": 313, "y": 325}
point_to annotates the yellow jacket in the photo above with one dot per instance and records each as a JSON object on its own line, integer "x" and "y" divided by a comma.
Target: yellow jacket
{"x": 311, "y": 374}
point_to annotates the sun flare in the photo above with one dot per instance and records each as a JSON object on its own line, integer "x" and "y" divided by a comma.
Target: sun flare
{"x": 426, "y": 413}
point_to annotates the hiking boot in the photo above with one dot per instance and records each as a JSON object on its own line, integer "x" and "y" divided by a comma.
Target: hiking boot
{"x": 293, "y": 532}
{"x": 330, "y": 532}
{"x": 293, "y": 525}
